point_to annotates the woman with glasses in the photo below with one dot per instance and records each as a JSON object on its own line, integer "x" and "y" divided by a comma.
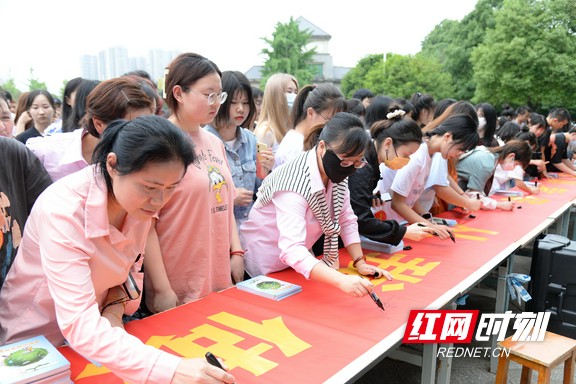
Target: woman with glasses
{"x": 194, "y": 248}
{"x": 306, "y": 198}
{"x": 314, "y": 105}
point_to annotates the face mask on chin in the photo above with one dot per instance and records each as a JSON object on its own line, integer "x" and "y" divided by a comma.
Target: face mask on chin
{"x": 335, "y": 172}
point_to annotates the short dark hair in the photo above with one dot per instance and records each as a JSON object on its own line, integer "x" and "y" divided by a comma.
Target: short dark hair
{"x": 232, "y": 82}
{"x": 362, "y": 93}
{"x": 355, "y": 107}
{"x": 561, "y": 114}
{"x": 508, "y": 131}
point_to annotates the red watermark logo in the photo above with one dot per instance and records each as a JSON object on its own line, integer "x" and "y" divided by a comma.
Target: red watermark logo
{"x": 457, "y": 326}
{"x": 440, "y": 326}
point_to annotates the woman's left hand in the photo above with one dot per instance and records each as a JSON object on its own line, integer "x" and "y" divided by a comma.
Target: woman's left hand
{"x": 370, "y": 270}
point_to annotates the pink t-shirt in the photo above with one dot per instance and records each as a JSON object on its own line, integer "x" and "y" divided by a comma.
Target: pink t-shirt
{"x": 68, "y": 259}
{"x": 194, "y": 226}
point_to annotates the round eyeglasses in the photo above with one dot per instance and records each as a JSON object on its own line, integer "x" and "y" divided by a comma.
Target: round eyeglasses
{"x": 348, "y": 163}
{"x": 212, "y": 98}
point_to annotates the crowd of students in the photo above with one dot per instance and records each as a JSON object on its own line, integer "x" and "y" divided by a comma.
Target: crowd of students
{"x": 110, "y": 210}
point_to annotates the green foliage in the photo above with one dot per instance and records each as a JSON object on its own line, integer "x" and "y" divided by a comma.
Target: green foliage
{"x": 34, "y": 83}
{"x": 405, "y": 75}
{"x": 355, "y": 78}
{"x": 10, "y": 86}
{"x": 288, "y": 54}
{"x": 399, "y": 76}
{"x": 528, "y": 58}
{"x": 452, "y": 42}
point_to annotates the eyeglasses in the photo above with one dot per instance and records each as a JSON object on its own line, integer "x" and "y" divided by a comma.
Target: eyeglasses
{"x": 322, "y": 116}
{"x": 212, "y": 98}
{"x": 348, "y": 163}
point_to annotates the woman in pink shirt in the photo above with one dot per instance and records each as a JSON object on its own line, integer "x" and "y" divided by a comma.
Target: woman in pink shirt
{"x": 195, "y": 248}
{"x": 83, "y": 240}
{"x": 305, "y": 198}
{"x": 68, "y": 152}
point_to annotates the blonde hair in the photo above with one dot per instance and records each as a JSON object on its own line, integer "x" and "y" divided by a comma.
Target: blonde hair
{"x": 274, "y": 110}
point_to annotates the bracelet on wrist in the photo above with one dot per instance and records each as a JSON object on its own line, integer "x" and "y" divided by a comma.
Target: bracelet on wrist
{"x": 237, "y": 253}
{"x": 358, "y": 259}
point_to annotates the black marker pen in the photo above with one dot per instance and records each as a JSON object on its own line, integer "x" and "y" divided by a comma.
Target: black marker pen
{"x": 213, "y": 360}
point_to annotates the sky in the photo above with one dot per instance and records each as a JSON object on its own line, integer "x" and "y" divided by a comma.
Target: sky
{"x": 51, "y": 36}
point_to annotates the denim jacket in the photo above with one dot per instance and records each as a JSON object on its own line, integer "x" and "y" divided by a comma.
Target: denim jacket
{"x": 242, "y": 163}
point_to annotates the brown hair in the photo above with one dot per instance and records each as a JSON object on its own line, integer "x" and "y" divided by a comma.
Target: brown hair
{"x": 112, "y": 100}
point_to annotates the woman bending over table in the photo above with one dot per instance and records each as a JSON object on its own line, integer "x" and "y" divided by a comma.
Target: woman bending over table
{"x": 308, "y": 197}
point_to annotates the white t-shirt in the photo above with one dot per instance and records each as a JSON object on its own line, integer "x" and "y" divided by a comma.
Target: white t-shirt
{"x": 410, "y": 181}
{"x": 502, "y": 178}
{"x": 438, "y": 176}
{"x": 291, "y": 146}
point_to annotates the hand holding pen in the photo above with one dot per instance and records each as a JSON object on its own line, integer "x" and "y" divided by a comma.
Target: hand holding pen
{"x": 210, "y": 358}
{"x": 441, "y": 231}
{"x": 195, "y": 370}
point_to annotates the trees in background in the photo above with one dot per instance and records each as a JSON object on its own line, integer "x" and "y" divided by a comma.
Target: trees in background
{"x": 518, "y": 52}
{"x": 287, "y": 53}
{"x": 529, "y": 56}
{"x": 452, "y": 42}
{"x": 398, "y": 76}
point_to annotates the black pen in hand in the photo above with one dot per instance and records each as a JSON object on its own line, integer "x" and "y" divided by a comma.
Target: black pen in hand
{"x": 213, "y": 360}
{"x": 377, "y": 300}
{"x": 436, "y": 234}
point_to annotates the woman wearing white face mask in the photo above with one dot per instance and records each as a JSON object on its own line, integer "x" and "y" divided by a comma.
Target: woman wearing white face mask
{"x": 487, "y": 124}
{"x": 393, "y": 141}
{"x": 476, "y": 171}
{"x": 274, "y": 120}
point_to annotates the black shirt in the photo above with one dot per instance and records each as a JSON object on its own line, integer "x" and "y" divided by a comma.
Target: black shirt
{"x": 361, "y": 185}
{"x": 556, "y": 151}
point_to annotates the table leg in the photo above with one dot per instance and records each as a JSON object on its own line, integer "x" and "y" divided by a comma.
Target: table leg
{"x": 429, "y": 363}
{"x": 502, "y": 297}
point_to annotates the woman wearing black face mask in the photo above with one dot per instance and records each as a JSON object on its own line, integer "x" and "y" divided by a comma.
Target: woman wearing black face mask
{"x": 305, "y": 198}
{"x": 393, "y": 141}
